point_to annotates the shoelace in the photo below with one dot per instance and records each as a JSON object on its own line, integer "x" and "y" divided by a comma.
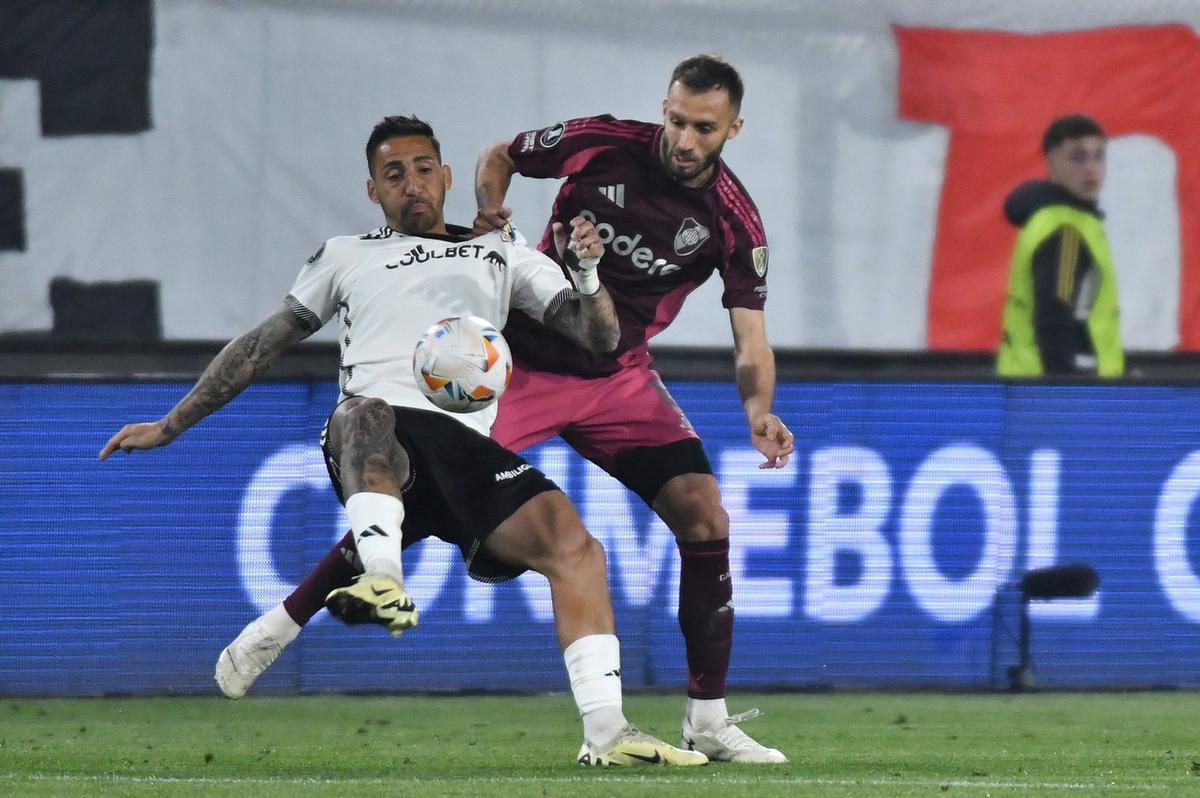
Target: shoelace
{"x": 733, "y": 737}
{"x": 749, "y": 714}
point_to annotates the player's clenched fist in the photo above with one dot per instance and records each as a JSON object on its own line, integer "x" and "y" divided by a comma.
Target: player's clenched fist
{"x": 489, "y": 219}
{"x": 581, "y": 250}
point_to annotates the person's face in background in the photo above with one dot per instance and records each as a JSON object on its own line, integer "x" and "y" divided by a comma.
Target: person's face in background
{"x": 1078, "y": 165}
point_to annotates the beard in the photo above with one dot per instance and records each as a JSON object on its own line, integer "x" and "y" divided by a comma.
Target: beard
{"x": 417, "y": 222}
{"x": 692, "y": 171}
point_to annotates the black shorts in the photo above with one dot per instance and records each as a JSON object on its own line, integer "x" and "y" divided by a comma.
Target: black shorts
{"x": 462, "y": 486}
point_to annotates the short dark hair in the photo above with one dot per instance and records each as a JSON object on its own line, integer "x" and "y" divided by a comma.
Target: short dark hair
{"x": 393, "y": 126}
{"x": 1075, "y": 126}
{"x": 709, "y": 71}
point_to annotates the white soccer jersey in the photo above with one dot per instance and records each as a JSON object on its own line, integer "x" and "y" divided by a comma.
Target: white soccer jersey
{"x": 388, "y": 288}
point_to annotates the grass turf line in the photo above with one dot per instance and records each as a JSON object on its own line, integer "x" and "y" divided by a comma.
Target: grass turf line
{"x": 839, "y": 744}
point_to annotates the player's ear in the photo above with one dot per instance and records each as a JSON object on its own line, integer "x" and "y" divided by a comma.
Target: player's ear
{"x": 664, "y": 108}
{"x": 1054, "y": 161}
{"x": 734, "y": 129}
{"x": 371, "y": 192}
{"x": 447, "y": 176}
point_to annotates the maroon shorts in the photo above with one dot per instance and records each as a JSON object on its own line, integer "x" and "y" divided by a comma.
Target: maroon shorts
{"x": 626, "y": 423}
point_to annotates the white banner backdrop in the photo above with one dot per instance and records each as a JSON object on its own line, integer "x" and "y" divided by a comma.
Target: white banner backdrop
{"x": 261, "y": 111}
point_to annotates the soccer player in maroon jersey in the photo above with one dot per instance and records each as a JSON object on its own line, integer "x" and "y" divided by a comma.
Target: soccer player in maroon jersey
{"x": 670, "y": 213}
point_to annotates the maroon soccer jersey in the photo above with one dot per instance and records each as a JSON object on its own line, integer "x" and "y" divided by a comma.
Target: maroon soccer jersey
{"x": 661, "y": 238}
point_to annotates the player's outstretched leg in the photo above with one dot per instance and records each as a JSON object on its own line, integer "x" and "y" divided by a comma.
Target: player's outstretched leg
{"x": 547, "y": 535}
{"x": 690, "y": 505}
{"x": 264, "y": 638}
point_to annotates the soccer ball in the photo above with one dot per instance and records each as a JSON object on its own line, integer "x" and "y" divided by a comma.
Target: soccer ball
{"x": 462, "y": 364}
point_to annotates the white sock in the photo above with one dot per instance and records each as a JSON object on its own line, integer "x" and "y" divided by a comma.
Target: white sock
{"x": 706, "y": 713}
{"x": 375, "y": 519}
{"x": 594, "y": 667}
{"x": 280, "y": 624}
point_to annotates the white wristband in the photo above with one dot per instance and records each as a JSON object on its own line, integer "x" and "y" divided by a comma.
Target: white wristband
{"x": 583, "y": 270}
{"x": 587, "y": 279}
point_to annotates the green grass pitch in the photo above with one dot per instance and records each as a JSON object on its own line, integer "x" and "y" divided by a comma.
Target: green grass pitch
{"x": 842, "y": 744}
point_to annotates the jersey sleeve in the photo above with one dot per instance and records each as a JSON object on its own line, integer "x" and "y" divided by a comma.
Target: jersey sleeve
{"x": 538, "y": 283}
{"x": 745, "y": 257}
{"x": 563, "y": 148}
{"x": 312, "y": 297}
{"x": 1063, "y": 294}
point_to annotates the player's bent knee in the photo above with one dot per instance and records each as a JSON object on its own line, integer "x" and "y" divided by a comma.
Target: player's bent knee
{"x": 367, "y": 414}
{"x": 712, "y": 525}
{"x": 361, "y": 420}
{"x": 584, "y": 549}
{"x": 692, "y": 509}
{"x": 567, "y": 547}
{"x": 574, "y": 555}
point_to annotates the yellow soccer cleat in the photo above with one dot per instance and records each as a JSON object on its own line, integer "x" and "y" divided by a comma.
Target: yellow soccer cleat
{"x": 632, "y": 748}
{"x": 374, "y": 598}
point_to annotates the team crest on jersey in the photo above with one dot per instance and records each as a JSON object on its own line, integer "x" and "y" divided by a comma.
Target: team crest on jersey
{"x": 552, "y": 135}
{"x": 508, "y": 232}
{"x": 758, "y": 256}
{"x": 690, "y": 237}
{"x": 316, "y": 256}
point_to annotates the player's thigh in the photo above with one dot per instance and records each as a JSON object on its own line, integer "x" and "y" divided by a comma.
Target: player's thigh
{"x": 467, "y": 486}
{"x": 545, "y": 534}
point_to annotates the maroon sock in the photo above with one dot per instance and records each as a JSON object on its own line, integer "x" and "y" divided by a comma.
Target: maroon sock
{"x": 706, "y": 615}
{"x": 336, "y": 569}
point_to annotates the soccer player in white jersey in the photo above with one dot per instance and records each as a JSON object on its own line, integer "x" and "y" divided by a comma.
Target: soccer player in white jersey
{"x": 404, "y": 468}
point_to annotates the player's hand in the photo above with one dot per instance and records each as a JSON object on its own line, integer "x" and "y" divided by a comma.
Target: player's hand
{"x": 581, "y": 251}
{"x": 771, "y": 437}
{"x": 147, "y": 435}
{"x": 489, "y": 219}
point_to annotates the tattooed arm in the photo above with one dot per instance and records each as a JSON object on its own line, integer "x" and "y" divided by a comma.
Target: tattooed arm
{"x": 243, "y": 359}
{"x": 588, "y": 320}
{"x": 585, "y": 315}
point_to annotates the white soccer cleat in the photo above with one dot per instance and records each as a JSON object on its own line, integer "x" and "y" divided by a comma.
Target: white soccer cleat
{"x": 253, "y": 651}
{"x": 634, "y": 748}
{"x": 727, "y": 743}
